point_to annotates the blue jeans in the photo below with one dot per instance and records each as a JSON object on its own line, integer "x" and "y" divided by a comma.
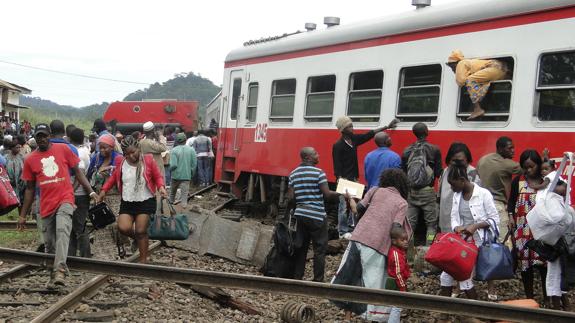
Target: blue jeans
{"x": 345, "y": 221}
{"x": 204, "y": 170}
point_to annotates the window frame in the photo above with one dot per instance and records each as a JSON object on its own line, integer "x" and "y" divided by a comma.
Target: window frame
{"x": 284, "y": 119}
{"x": 374, "y": 117}
{"x": 318, "y": 118}
{"x": 413, "y": 117}
{"x": 537, "y": 89}
{"x": 248, "y": 106}
{"x": 237, "y": 111}
{"x": 462, "y": 117}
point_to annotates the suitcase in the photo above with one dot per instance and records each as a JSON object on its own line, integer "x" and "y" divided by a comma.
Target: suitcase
{"x": 453, "y": 254}
{"x": 101, "y": 215}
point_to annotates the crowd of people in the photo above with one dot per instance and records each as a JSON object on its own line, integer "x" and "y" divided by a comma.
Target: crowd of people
{"x": 59, "y": 171}
{"x": 493, "y": 199}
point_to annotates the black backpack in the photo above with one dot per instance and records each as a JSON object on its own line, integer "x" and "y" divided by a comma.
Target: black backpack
{"x": 419, "y": 174}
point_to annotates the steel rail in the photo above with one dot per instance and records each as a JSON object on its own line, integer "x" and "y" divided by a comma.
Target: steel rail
{"x": 468, "y": 308}
{"x": 223, "y": 205}
{"x": 30, "y": 225}
{"x": 15, "y": 272}
{"x": 203, "y": 190}
{"x": 12, "y": 225}
{"x": 54, "y": 311}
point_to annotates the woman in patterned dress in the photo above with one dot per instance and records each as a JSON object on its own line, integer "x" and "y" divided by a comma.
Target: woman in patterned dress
{"x": 521, "y": 201}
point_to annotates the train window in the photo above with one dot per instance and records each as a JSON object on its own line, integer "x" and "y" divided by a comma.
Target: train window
{"x": 283, "y": 100}
{"x": 319, "y": 100}
{"x": 496, "y": 102}
{"x": 419, "y": 89}
{"x": 556, "y": 87}
{"x": 252, "y": 102}
{"x": 364, "y": 96}
{"x": 236, "y": 92}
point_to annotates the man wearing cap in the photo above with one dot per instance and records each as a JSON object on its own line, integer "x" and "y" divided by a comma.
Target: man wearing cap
{"x": 151, "y": 144}
{"x": 344, "y": 153}
{"x": 476, "y": 75}
{"x": 49, "y": 166}
{"x": 182, "y": 165}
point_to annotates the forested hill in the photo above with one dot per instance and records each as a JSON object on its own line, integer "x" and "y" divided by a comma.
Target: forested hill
{"x": 184, "y": 86}
{"x": 46, "y": 106}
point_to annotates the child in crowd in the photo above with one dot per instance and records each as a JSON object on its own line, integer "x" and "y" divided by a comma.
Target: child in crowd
{"x": 547, "y": 171}
{"x": 397, "y": 266}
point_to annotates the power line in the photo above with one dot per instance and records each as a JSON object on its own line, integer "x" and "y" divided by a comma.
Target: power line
{"x": 72, "y": 74}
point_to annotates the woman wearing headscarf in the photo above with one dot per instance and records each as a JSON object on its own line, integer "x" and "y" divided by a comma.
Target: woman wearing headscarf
{"x": 102, "y": 165}
{"x": 476, "y": 75}
{"x": 137, "y": 178}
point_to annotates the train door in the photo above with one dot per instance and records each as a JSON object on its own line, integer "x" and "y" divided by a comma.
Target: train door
{"x": 231, "y": 138}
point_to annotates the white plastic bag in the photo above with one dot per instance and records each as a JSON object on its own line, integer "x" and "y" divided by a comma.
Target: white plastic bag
{"x": 552, "y": 217}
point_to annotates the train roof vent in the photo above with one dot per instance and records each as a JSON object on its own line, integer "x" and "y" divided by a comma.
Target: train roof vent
{"x": 309, "y": 26}
{"x": 421, "y": 3}
{"x": 331, "y": 21}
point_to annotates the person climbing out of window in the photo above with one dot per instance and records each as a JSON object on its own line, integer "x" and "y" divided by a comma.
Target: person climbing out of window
{"x": 476, "y": 75}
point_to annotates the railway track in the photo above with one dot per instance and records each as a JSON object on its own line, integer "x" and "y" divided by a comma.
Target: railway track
{"x": 433, "y": 303}
{"x": 83, "y": 290}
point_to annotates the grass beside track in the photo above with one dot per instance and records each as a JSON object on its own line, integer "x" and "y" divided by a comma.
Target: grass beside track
{"x": 16, "y": 239}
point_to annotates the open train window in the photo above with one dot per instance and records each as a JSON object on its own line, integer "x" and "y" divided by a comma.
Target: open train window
{"x": 364, "y": 96}
{"x": 283, "y": 100}
{"x": 419, "y": 88}
{"x": 555, "y": 91}
{"x": 236, "y": 92}
{"x": 496, "y": 102}
{"x": 252, "y": 107}
{"x": 319, "y": 98}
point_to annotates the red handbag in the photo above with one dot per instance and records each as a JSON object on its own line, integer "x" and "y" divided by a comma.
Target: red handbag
{"x": 8, "y": 198}
{"x": 453, "y": 254}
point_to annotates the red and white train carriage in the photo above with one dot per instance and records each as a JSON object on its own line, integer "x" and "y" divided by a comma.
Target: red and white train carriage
{"x": 284, "y": 94}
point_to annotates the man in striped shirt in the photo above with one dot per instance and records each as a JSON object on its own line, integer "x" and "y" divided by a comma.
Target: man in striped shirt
{"x": 308, "y": 186}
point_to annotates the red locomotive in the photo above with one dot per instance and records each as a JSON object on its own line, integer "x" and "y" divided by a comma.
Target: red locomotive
{"x": 127, "y": 116}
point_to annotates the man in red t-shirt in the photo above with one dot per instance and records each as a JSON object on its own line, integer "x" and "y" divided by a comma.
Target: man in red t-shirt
{"x": 49, "y": 167}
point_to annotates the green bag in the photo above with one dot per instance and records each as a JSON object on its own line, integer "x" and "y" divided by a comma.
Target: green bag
{"x": 171, "y": 227}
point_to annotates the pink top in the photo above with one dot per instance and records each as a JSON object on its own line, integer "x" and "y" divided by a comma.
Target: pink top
{"x": 384, "y": 207}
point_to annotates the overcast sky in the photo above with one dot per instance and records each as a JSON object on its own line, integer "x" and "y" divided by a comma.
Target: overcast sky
{"x": 148, "y": 41}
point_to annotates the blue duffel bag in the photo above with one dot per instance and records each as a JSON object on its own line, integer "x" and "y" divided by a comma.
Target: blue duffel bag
{"x": 494, "y": 260}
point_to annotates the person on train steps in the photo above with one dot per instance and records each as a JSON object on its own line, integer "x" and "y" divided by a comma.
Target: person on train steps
{"x": 344, "y": 154}
{"x": 476, "y": 75}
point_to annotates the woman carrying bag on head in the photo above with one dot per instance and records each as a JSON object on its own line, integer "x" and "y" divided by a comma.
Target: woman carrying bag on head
{"x": 137, "y": 179}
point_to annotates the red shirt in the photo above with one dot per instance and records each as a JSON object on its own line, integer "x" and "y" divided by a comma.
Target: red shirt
{"x": 397, "y": 267}
{"x": 51, "y": 171}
